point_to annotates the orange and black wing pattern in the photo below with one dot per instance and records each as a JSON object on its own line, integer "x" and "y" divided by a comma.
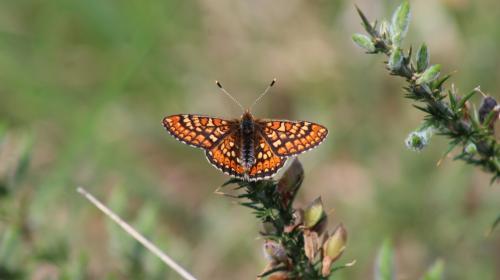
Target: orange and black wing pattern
{"x": 225, "y": 156}
{"x": 289, "y": 138}
{"x": 267, "y": 163}
{"x": 197, "y": 131}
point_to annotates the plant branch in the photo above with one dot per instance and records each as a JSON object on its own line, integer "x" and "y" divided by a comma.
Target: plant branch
{"x": 447, "y": 113}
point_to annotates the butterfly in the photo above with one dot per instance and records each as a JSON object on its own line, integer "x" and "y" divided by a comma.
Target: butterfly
{"x": 247, "y": 148}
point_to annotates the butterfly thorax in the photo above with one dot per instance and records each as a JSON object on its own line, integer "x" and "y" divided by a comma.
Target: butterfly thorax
{"x": 247, "y": 130}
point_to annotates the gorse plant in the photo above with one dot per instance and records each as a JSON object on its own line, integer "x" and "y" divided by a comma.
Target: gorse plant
{"x": 447, "y": 113}
{"x": 297, "y": 243}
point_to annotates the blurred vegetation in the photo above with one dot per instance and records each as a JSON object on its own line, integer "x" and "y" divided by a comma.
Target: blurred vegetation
{"x": 85, "y": 84}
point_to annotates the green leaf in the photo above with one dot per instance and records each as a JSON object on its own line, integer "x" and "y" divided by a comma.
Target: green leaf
{"x": 464, "y": 99}
{"x": 435, "y": 272}
{"x": 423, "y": 58}
{"x": 384, "y": 266}
{"x": 400, "y": 23}
{"x": 364, "y": 42}
{"x": 273, "y": 270}
{"x": 450, "y": 148}
{"x": 350, "y": 264}
{"x": 429, "y": 75}
{"x": 453, "y": 100}
{"x": 438, "y": 83}
{"x": 366, "y": 23}
{"x": 395, "y": 60}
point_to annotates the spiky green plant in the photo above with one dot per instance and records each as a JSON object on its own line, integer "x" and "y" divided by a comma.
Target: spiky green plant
{"x": 447, "y": 113}
{"x": 297, "y": 245}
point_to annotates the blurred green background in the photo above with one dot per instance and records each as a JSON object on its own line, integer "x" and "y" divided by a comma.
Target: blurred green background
{"x": 84, "y": 86}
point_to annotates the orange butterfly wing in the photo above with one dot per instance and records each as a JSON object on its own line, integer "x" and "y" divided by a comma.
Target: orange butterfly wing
{"x": 197, "y": 131}
{"x": 225, "y": 156}
{"x": 275, "y": 141}
{"x": 216, "y": 136}
{"x": 267, "y": 163}
{"x": 289, "y": 138}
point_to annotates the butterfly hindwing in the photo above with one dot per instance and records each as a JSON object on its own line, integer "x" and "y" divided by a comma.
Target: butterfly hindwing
{"x": 225, "y": 156}
{"x": 267, "y": 163}
{"x": 198, "y": 131}
{"x": 288, "y": 138}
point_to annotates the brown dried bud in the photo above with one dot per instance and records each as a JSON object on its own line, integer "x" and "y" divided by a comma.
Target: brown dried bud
{"x": 290, "y": 182}
{"x": 279, "y": 276}
{"x": 311, "y": 244}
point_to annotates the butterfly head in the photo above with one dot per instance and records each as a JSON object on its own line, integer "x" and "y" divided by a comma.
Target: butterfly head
{"x": 247, "y": 122}
{"x": 246, "y": 115}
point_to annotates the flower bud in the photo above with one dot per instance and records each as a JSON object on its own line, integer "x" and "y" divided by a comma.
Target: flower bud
{"x": 395, "y": 60}
{"x": 364, "y": 42}
{"x": 487, "y": 107}
{"x": 423, "y": 58}
{"x": 335, "y": 244}
{"x": 333, "y": 248}
{"x": 484, "y": 148}
{"x": 314, "y": 213}
{"x": 290, "y": 182}
{"x": 418, "y": 140}
{"x": 470, "y": 149}
{"x": 429, "y": 75}
{"x": 274, "y": 251}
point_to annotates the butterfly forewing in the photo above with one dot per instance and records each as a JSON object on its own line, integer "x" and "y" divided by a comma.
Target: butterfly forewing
{"x": 198, "y": 131}
{"x": 288, "y": 138}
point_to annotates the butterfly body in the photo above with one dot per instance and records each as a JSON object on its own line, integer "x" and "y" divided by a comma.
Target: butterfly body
{"x": 248, "y": 137}
{"x": 246, "y": 148}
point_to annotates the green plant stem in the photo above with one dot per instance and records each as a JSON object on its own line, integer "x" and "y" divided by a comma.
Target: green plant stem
{"x": 267, "y": 205}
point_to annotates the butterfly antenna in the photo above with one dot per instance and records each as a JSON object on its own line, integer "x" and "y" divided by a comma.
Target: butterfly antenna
{"x": 229, "y": 95}
{"x": 264, "y": 93}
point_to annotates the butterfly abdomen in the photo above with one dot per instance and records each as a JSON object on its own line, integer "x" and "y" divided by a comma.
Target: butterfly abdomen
{"x": 247, "y": 130}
